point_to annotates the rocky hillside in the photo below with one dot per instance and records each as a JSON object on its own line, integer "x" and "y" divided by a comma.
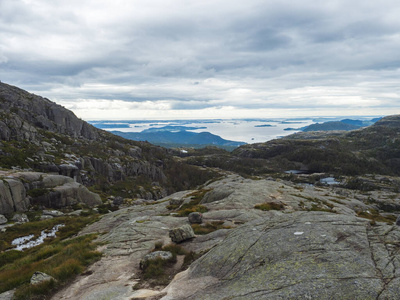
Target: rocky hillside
{"x": 373, "y": 149}
{"x": 39, "y": 135}
{"x": 23, "y": 115}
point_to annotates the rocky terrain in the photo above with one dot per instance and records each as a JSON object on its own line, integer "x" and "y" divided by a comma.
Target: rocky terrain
{"x": 206, "y": 224}
{"x": 37, "y": 134}
{"x": 312, "y": 247}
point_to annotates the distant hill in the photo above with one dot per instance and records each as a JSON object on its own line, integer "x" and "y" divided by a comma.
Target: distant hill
{"x": 177, "y": 136}
{"x": 370, "y": 150}
{"x": 328, "y": 126}
{"x": 345, "y": 124}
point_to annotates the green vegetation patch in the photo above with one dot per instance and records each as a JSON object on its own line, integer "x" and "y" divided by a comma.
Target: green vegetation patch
{"x": 192, "y": 206}
{"x": 270, "y": 206}
{"x": 16, "y": 153}
{"x": 62, "y": 257}
{"x": 208, "y": 227}
{"x": 38, "y": 192}
{"x": 158, "y": 272}
{"x": 375, "y": 216}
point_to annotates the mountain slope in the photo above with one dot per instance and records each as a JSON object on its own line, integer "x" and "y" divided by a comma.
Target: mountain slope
{"x": 22, "y": 113}
{"x": 38, "y": 134}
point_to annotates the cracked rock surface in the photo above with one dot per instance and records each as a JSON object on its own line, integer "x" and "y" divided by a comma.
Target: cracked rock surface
{"x": 302, "y": 255}
{"x": 288, "y": 254}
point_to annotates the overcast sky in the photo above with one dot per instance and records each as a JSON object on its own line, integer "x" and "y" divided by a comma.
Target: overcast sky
{"x": 168, "y": 59}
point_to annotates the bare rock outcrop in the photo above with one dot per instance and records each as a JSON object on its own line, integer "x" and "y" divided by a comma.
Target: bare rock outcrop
{"x": 19, "y": 190}
{"x": 303, "y": 255}
{"x": 3, "y": 220}
{"x": 291, "y": 253}
{"x": 39, "y": 277}
{"x": 12, "y": 196}
{"x": 28, "y": 109}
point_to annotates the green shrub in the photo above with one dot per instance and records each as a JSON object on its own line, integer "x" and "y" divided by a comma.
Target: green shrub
{"x": 269, "y": 206}
{"x": 68, "y": 269}
{"x": 374, "y": 215}
{"x": 155, "y": 269}
{"x": 208, "y": 227}
{"x": 38, "y": 192}
{"x": 185, "y": 211}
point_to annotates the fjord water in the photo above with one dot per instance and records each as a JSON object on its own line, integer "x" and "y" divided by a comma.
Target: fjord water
{"x": 247, "y": 130}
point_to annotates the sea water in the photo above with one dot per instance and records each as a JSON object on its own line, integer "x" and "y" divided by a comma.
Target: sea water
{"x": 246, "y": 130}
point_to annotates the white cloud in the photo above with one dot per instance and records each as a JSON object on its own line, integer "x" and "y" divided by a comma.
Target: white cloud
{"x": 194, "y": 57}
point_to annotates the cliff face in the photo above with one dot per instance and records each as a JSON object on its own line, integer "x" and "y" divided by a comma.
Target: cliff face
{"x": 23, "y": 113}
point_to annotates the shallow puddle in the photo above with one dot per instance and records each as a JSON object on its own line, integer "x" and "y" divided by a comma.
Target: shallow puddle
{"x": 26, "y": 242}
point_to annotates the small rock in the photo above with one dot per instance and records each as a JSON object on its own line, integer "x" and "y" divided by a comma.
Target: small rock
{"x": 195, "y": 218}
{"x": 46, "y": 217}
{"x": 398, "y": 221}
{"x": 53, "y": 213}
{"x": 39, "y": 277}
{"x": 117, "y": 201}
{"x": 164, "y": 255}
{"x": 76, "y": 212}
{"x": 181, "y": 234}
{"x": 20, "y": 218}
{"x": 3, "y": 220}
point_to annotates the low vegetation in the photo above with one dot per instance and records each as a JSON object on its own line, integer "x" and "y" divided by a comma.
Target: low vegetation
{"x": 269, "y": 206}
{"x": 208, "y": 227}
{"x": 62, "y": 257}
{"x": 192, "y": 206}
{"x": 375, "y": 216}
{"x": 159, "y": 272}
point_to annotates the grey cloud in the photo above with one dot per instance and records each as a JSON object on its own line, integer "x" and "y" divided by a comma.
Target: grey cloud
{"x": 261, "y": 51}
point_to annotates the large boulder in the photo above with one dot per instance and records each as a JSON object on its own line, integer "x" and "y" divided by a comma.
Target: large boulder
{"x": 51, "y": 181}
{"x": 9, "y": 295}
{"x": 3, "y": 220}
{"x": 195, "y": 218}
{"x": 20, "y": 218}
{"x": 73, "y": 193}
{"x": 302, "y": 255}
{"x": 6, "y": 200}
{"x": 181, "y": 234}
{"x": 39, "y": 277}
{"x": 18, "y": 193}
{"x": 49, "y": 190}
{"x": 12, "y": 196}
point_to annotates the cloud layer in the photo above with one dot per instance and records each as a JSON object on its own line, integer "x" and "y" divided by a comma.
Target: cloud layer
{"x": 176, "y": 58}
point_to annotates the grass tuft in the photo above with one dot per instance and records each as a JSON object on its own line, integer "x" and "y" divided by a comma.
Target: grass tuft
{"x": 208, "y": 227}
{"x": 63, "y": 257}
{"x": 192, "y": 206}
{"x": 269, "y": 206}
